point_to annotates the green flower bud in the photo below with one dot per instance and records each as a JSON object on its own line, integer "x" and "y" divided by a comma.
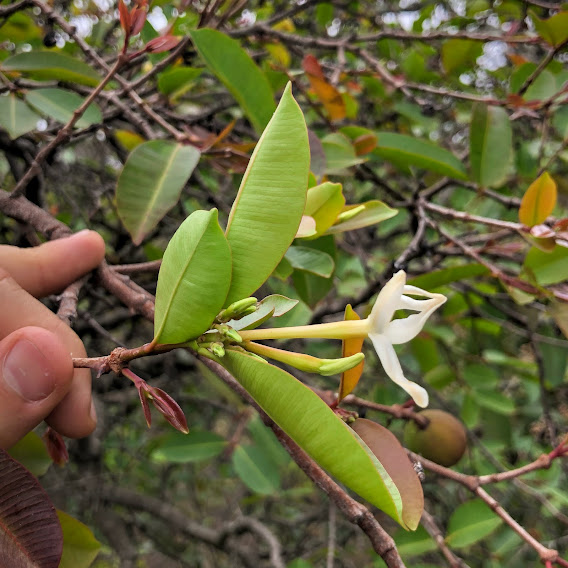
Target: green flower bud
{"x": 335, "y": 366}
{"x": 237, "y": 309}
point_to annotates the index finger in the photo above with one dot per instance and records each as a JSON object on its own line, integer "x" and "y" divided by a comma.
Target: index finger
{"x": 52, "y": 266}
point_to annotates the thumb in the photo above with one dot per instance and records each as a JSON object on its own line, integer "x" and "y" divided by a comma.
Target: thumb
{"x": 36, "y": 371}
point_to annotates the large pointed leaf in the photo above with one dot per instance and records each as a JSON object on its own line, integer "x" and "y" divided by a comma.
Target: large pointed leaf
{"x": 538, "y": 201}
{"x": 267, "y": 211}
{"x": 194, "y": 279}
{"x": 60, "y": 104}
{"x": 30, "y": 535}
{"x": 490, "y": 145}
{"x": 316, "y": 429}
{"x": 238, "y": 72}
{"x": 310, "y": 260}
{"x": 388, "y": 450}
{"x": 80, "y": 547}
{"x": 151, "y": 182}
{"x": 406, "y": 150}
{"x": 52, "y": 65}
{"x": 16, "y": 117}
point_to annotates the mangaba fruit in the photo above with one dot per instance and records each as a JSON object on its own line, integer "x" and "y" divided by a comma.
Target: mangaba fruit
{"x": 443, "y": 440}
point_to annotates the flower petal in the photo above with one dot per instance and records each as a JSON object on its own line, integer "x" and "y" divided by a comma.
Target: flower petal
{"x": 392, "y": 367}
{"x": 387, "y": 303}
{"x": 403, "y": 330}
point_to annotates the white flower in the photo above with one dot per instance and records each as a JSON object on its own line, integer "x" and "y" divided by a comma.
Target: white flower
{"x": 381, "y": 329}
{"x": 385, "y": 332}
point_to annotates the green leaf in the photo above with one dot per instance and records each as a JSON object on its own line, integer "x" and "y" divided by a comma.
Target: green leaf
{"x": 80, "y": 547}
{"x": 339, "y": 154}
{"x": 324, "y": 203}
{"x": 460, "y": 54}
{"x": 60, "y": 104}
{"x": 16, "y": 117}
{"x": 414, "y": 543}
{"x": 310, "y": 260}
{"x": 238, "y": 72}
{"x": 177, "y": 81}
{"x": 365, "y": 214}
{"x": 256, "y": 470}
{"x": 52, "y": 65}
{"x": 194, "y": 279}
{"x": 405, "y": 151}
{"x": 491, "y": 144}
{"x": 188, "y": 448}
{"x": 266, "y": 440}
{"x": 267, "y": 211}
{"x": 480, "y": 377}
{"x": 30, "y": 451}
{"x": 274, "y": 305}
{"x": 471, "y": 522}
{"x": 495, "y": 401}
{"x": 445, "y": 276}
{"x": 548, "y": 267}
{"x": 316, "y": 429}
{"x": 150, "y": 184}
{"x": 554, "y": 30}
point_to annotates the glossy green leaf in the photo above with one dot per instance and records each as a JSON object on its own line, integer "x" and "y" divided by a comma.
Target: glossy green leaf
{"x": 548, "y": 267}
{"x": 554, "y": 30}
{"x": 52, "y": 65}
{"x": 194, "y": 279}
{"x": 339, "y": 154}
{"x": 256, "y": 470}
{"x": 494, "y": 401}
{"x": 460, "y": 54}
{"x": 267, "y": 211}
{"x": 16, "y": 117}
{"x": 31, "y": 452}
{"x": 445, "y": 276}
{"x": 362, "y": 215}
{"x": 388, "y": 450}
{"x": 274, "y": 305}
{"x": 310, "y": 260}
{"x": 188, "y": 448}
{"x": 150, "y": 184}
{"x": 491, "y": 145}
{"x": 405, "y": 151}
{"x": 60, "y": 104}
{"x": 238, "y": 72}
{"x": 80, "y": 547}
{"x": 324, "y": 203}
{"x": 471, "y": 522}
{"x": 315, "y": 428}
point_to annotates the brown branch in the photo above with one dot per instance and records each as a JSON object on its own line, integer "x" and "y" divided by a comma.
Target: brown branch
{"x": 68, "y": 300}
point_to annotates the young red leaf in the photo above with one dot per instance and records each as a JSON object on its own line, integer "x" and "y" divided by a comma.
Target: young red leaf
{"x": 170, "y": 409}
{"x": 162, "y": 43}
{"x": 138, "y": 18}
{"x": 30, "y": 533}
{"x": 55, "y": 446}
{"x": 125, "y": 21}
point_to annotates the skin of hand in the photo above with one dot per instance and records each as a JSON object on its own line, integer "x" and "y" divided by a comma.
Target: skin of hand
{"x": 37, "y": 378}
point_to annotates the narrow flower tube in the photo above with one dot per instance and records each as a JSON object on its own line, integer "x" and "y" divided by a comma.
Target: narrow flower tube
{"x": 379, "y": 327}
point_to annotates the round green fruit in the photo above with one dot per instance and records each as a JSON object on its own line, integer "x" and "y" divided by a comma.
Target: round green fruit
{"x": 443, "y": 440}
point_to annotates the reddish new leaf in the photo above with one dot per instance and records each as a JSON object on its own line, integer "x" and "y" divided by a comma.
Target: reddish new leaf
{"x": 138, "y": 18}
{"x": 325, "y": 92}
{"x": 388, "y": 450}
{"x": 55, "y": 446}
{"x": 162, "y": 43}
{"x": 30, "y": 534}
{"x": 124, "y": 17}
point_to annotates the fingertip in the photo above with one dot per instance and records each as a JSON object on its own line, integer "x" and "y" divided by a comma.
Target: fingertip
{"x": 91, "y": 245}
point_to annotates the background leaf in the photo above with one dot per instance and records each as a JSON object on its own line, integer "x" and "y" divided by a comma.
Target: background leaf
{"x": 52, "y": 65}
{"x": 238, "y": 72}
{"x": 406, "y": 151}
{"x": 491, "y": 144}
{"x": 16, "y": 117}
{"x": 60, "y": 105}
{"x": 369, "y": 213}
{"x": 188, "y": 448}
{"x": 538, "y": 201}
{"x": 31, "y": 452}
{"x": 256, "y": 470}
{"x": 80, "y": 547}
{"x": 194, "y": 279}
{"x": 269, "y": 206}
{"x": 469, "y": 523}
{"x": 310, "y": 260}
{"x": 150, "y": 184}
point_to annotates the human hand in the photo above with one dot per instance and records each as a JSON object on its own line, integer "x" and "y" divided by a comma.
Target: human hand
{"x": 37, "y": 379}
